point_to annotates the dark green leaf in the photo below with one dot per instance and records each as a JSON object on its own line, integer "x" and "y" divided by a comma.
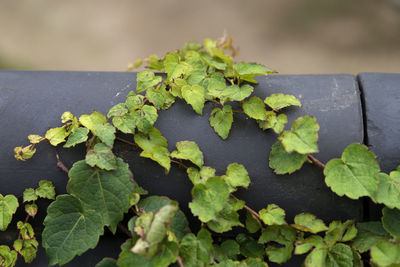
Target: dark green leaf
{"x": 283, "y": 162}
{"x": 369, "y": 234}
{"x": 249, "y": 247}
{"x": 107, "y": 262}
{"x": 282, "y": 234}
{"x": 102, "y": 157}
{"x": 391, "y": 221}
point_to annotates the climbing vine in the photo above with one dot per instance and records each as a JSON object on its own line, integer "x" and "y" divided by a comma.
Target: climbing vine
{"x": 102, "y": 191}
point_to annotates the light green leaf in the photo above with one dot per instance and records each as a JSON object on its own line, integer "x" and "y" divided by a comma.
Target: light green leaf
{"x": 309, "y": 223}
{"x": 305, "y": 245}
{"x": 236, "y": 175}
{"x": 29, "y": 195}
{"x": 194, "y": 95}
{"x": 117, "y": 110}
{"x": 279, "y": 101}
{"x": 214, "y": 62}
{"x": 216, "y": 87}
{"x": 255, "y": 108}
{"x": 276, "y": 123}
{"x": 134, "y": 101}
{"x": 28, "y": 249}
{"x": 283, "y": 162}
{"x": 200, "y": 177}
{"x": 369, "y": 234}
{"x": 193, "y": 253}
{"x": 93, "y": 119}
{"x": 339, "y": 255}
{"x": 67, "y": 116}
{"x": 77, "y": 136}
{"x": 385, "y": 253}
{"x": 388, "y": 192}
{"x": 102, "y": 157}
{"x": 155, "y": 63}
{"x": 247, "y": 71}
{"x": 24, "y": 153}
{"x": 209, "y": 198}
{"x": 154, "y": 147}
{"x": 145, "y": 80}
{"x": 107, "y": 192}
{"x": 34, "y": 138}
{"x": 221, "y": 120}
{"x": 8, "y": 257}
{"x": 355, "y": 174}
{"x": 70, "y": 229}
{"x": 273, "y": 215}
{"x": 56, "y": 135}
{"x": 189, "y": 150}
{"x": 236, "y": 93}
{"x": 31, "y": 209}
{"x": 303, "y": 136}
{"x": 105, "y": 132}
{"x": 8, "y": 206}
{"x": 225, "y": 219}
{"x": 173, "y": 67}
{"x": 255, "y": 262}
{"x": 316, "y": 258}
{"x": 282, "y": 234}
{"x": 391, "y": 221}
{"x": 125, "y": 123}
{"x": 229, "y": 249}
{"x": 340, "y": 232}
{"x": 107, "y": 262}
{"x": 145, "y": 118}
{"x": 46, "y": 190}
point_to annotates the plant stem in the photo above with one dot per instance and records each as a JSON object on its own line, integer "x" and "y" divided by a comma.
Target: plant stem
{"x": 237, "y": 111}
{"x": 124, "y": 230}
{"x": 253, "y": 212}
{"x": 179, "y": 260}
{"x": 126, "y": 142}
{"x": 60, "y": 164}
{"x": 90, "y": 143}
{"x": 315, "y": 161}
{"x": 180, "y": 164}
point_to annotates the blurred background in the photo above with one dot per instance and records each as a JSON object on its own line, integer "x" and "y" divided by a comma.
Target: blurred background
{"x": 291, "y": 36}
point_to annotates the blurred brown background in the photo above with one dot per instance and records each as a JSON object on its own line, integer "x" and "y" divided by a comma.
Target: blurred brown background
{"x": 291, "y": 36}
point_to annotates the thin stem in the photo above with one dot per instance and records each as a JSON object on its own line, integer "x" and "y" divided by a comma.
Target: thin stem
{"x": 124, "y": 230}
{"x": 237, "y": 111}
{"x": 60, "y": 164}
{"x": 253, "y": 212}
{"x": 179, "y": 260}
{"x": 126, "y": 141}
{"x": 315, "y": 161}
{"x": 90, "y": 143}
{"x": 180, "y": 164}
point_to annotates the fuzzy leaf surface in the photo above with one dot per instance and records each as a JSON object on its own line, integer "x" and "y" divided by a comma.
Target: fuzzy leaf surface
{"x": 102, "y": 157}
{"x": 77, "y": 136}
{"x": 189, "y": 150}
{"x": 255, "y": 108}
{"x": 221, "y": 120}
{"x": 388, "y": 192}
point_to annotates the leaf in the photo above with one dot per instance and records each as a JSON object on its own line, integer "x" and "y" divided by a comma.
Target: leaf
{"x": 273, "y": 215}
{"x": 316, "y": 258}
{"x": 67, "y": 116}
{"x": 276, "y": 123}
{"x": 189, "y": 150}
{"x": 28, "y": 249}
{"x": 77, "y": 136}
{"x": 309, "y": 223}
{"x": 247, "y": 71}
{"x": 249, "y": 247}
{"x": 145, "y": 118}
{"x": 283, "y": 235}
{"x": 255, "y": 262}
{"x": 283, "y": 162}
{"x": 8, "y": 206}
{"x": 391, "y": 221}
{"x": 194, "y": 95}
{"x": 134, "y": 101}
{"x": 305, "y": 245}
{"x": 29, "y": 195}
{"x": 24, "y": 153}
{"x": 8, "y": 258}
{"x": 254, "y": 108}
{"x": 355, "y": 174}
{"x": 193, "y": 253}
{"x": 70, "y": 229}
{"x": 369, "y": 234}
{"x": 34, "y": 138}
{"x": 125, "y": 123}
{"x": 209, "y": 198}
{"x": 340, "y": 232}
{"x": 225, "y": 219}
{"x": 385, "y": 253}
{"x": 388, "y": 192}
{"x": 145, "y": 80}
{"x": 107, "y": 192}
{"x": 236, "y": 93}
{"x": 31, "y": 209}
{"x": 173, "y": 67}
{"x": 105, "y": 132}
{"x": 229, "y": 249}
{"x": 279, "y": 101}
{"x": 91, "y": 120}
{"x": 102, "y": 157}
{"x": 56, "y": 135}
{"x": 117, "y": 111}
{"x": 46, "y": 190}
{"x": 214, "y": 62}
{"x": 252, "y": 224}
{"x": 236, "y": 175}
{"x": 339, "y": 255}
{"x": 107, "y": 262}
{"x": 221, "y": 120}
{"x": 154, "y": 147}
{"x": 303, "y": 136}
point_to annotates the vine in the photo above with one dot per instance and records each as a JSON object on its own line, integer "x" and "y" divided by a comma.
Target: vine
{"x": 101, "y": 189}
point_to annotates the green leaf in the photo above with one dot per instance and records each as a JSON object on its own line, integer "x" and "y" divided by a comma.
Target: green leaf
{"x": 214, "y": 62}
{"x": 247, "y": 71}
{"x": 56, "y": 135}
{"x": 134, "y": 101}
{"x": 154, "y": 63}
{"x": 255, "y": 108}
{"x": 77, "y": 136}
{"x": 209, "y": 198}
{"x": 8, "y": 257}
{"x": 159, "y": 97}
{"x": 279, "y": 101}
{"x": 189, "y": 150}
{"x": 303, "y": 136}
{"x": 388, "y": 192}
{"x": 391, "y": 221}
{"x": 369, "y": 234}
{"x": 236, "y": 93}
{"x": 283, "y": 235}
{"x": 340, "y": 232}
{"x": 107, "y": 262}
{"x": 194, "y": 95}
{"x": 28, "y": 249}
{"x": 305, "y": 245}
{"x": 105, "y": 132}
{"x": 154, "y": 147}
{"x": 316, "y": 258}
{"x": 117, "y": 110}
{"x": 91, "y": 120}
{"x": 200, "y": 177}
{"x": 125, "y": 123}
{"x": 29, "y": 195}
{"x": 34, "y": 138}
{"x": 145, "y": 80}
{"x": 173, "y": 67}
{"x": 31, "y": 209}
{"x": 283, "y": 162}
{"x": 385, "y": 253}
{"x": 252, "y": 223}
{"x": 229, "y": 249}
{"x": 70, "y": 229}
{"x": 67, "y": 116}
{"x": 102, "y": 157}
{"x": 193, "y": 253}
{"x": 236, "y": 175}
{"x": 249, "y": 247}
{"x": 339, "y": 255}
{"x": 24, "y": 153}
{"x": 221, "y": 120}
{"x": 225, "y": 219}
{"x": 355, "y": 174}
{"x": 273, "y": 215}
{"x": 276, "y": 123}
{"x": 309, "y": 223}
{"x": 46, "y": 190}
{"x": 255, "y": 262}
{"x": 8, "y": 206}
{"x": 107, "y": 192}
{"x": 145, "y": 118}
